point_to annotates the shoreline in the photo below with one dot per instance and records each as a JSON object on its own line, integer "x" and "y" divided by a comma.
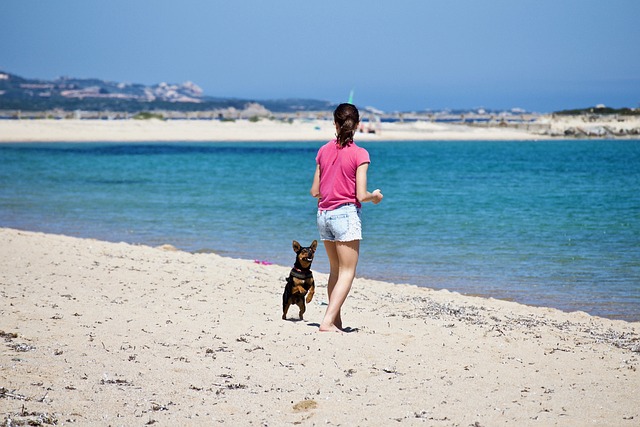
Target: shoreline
{"x": 121, "y": 334}
{"x": 73, "y": 130}
{"x": 321, "y": 267}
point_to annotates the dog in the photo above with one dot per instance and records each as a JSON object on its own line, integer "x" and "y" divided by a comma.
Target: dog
{"x": 300, "y": 281}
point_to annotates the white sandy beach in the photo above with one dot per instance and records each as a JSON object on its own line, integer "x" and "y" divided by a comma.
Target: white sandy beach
{"x": 71, "y": 130}
{"x": 214, "y": 130}
{"x": 98, "y": 333}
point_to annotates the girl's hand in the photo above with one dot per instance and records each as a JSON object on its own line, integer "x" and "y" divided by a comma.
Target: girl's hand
{"x": 377, "y": 196}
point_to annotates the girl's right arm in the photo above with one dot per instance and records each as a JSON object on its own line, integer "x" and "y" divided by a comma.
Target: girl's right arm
{"x": 315, "y": 187}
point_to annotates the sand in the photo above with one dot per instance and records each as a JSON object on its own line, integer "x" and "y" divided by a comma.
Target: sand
{"x": 98, "y": 333}
{"x": 241, "y": 130}
{"x": 73, "y": 130}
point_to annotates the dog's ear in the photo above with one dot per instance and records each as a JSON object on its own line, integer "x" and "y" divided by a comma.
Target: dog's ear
{"x": 296, "y": 247}
{"x": 314, "y": 245}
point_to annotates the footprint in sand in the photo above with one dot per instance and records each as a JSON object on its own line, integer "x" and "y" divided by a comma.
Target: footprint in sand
{"x": 305, "y": 405}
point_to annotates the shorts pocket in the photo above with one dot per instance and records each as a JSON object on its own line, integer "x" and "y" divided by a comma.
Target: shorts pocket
{"x": 339, "y": 225}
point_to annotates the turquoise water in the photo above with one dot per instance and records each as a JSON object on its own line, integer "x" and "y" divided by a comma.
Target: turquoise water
{"x": 553, "y": 223}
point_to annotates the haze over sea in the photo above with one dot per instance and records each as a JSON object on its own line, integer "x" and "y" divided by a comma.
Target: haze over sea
{"x": 553, "y": 223}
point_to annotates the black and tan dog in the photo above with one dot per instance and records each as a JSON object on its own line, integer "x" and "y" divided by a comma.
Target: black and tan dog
{"x": 300, "y": 281}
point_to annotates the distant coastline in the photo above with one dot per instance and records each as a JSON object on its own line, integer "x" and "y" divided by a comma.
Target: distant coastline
{"x": 71, "y": 109}
{"x": 314, "y": 127}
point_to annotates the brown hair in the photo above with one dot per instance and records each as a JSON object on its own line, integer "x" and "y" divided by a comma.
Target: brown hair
{"x": 346, "y": 117}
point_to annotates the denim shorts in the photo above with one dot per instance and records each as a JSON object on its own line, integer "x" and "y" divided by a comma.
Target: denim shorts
{"x": 340, "y": 225}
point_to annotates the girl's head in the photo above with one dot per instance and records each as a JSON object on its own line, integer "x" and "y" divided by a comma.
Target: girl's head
{"x": 346, "y": 118}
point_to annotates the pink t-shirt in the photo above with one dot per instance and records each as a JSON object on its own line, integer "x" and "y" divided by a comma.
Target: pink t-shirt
{"x": 338, "y": 174}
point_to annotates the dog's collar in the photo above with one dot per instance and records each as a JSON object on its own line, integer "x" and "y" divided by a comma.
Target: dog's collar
{"x": 299, "y": 274}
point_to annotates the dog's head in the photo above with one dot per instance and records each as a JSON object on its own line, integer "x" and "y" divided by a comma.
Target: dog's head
{"x": 304, "y": 255}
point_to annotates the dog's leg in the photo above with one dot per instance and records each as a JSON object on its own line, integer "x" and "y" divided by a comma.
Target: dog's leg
{"x": 284, "y": 311}
{"x": 312, "y": 291}
{"x": 285, "y": 305}
{"x": 302, "y": 308}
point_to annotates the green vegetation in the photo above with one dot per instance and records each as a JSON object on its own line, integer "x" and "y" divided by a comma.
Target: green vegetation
{"x": 600, "y": 110}
{"x": 145, "y": 115}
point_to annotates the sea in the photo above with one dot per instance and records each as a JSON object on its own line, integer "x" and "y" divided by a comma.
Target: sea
{"x": 543, "y": 223}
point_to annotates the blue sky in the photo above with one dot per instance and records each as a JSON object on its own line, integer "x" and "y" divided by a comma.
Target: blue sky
{"x": 541, "y": 55}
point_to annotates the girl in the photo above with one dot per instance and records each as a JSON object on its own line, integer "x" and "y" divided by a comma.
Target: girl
{"x": 340, "y": 184}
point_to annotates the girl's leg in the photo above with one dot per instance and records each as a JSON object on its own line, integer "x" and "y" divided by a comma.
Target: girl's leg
{"x": 334, "y": 268}
{"x": 347, "y": 254}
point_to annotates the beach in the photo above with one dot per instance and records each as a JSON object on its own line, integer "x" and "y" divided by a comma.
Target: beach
{"x": 98, "y": 333}
{"x": 74, "y": 130}
{"x": 215, "y": 130}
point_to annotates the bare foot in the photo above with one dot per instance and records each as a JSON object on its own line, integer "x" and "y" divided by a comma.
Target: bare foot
{"x": 330, "y": 328}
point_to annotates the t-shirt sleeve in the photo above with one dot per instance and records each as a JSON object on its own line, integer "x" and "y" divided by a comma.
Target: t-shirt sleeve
{"x": 362, "y": 156}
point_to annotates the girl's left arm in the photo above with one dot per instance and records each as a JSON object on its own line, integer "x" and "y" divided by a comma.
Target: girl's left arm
{"x": 361, "y": 187}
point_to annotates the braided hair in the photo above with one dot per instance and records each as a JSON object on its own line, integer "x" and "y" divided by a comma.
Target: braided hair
{"x": 346, "y": 117}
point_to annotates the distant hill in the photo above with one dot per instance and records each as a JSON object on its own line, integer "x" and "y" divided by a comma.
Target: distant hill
{"x": 70, "y": 94}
